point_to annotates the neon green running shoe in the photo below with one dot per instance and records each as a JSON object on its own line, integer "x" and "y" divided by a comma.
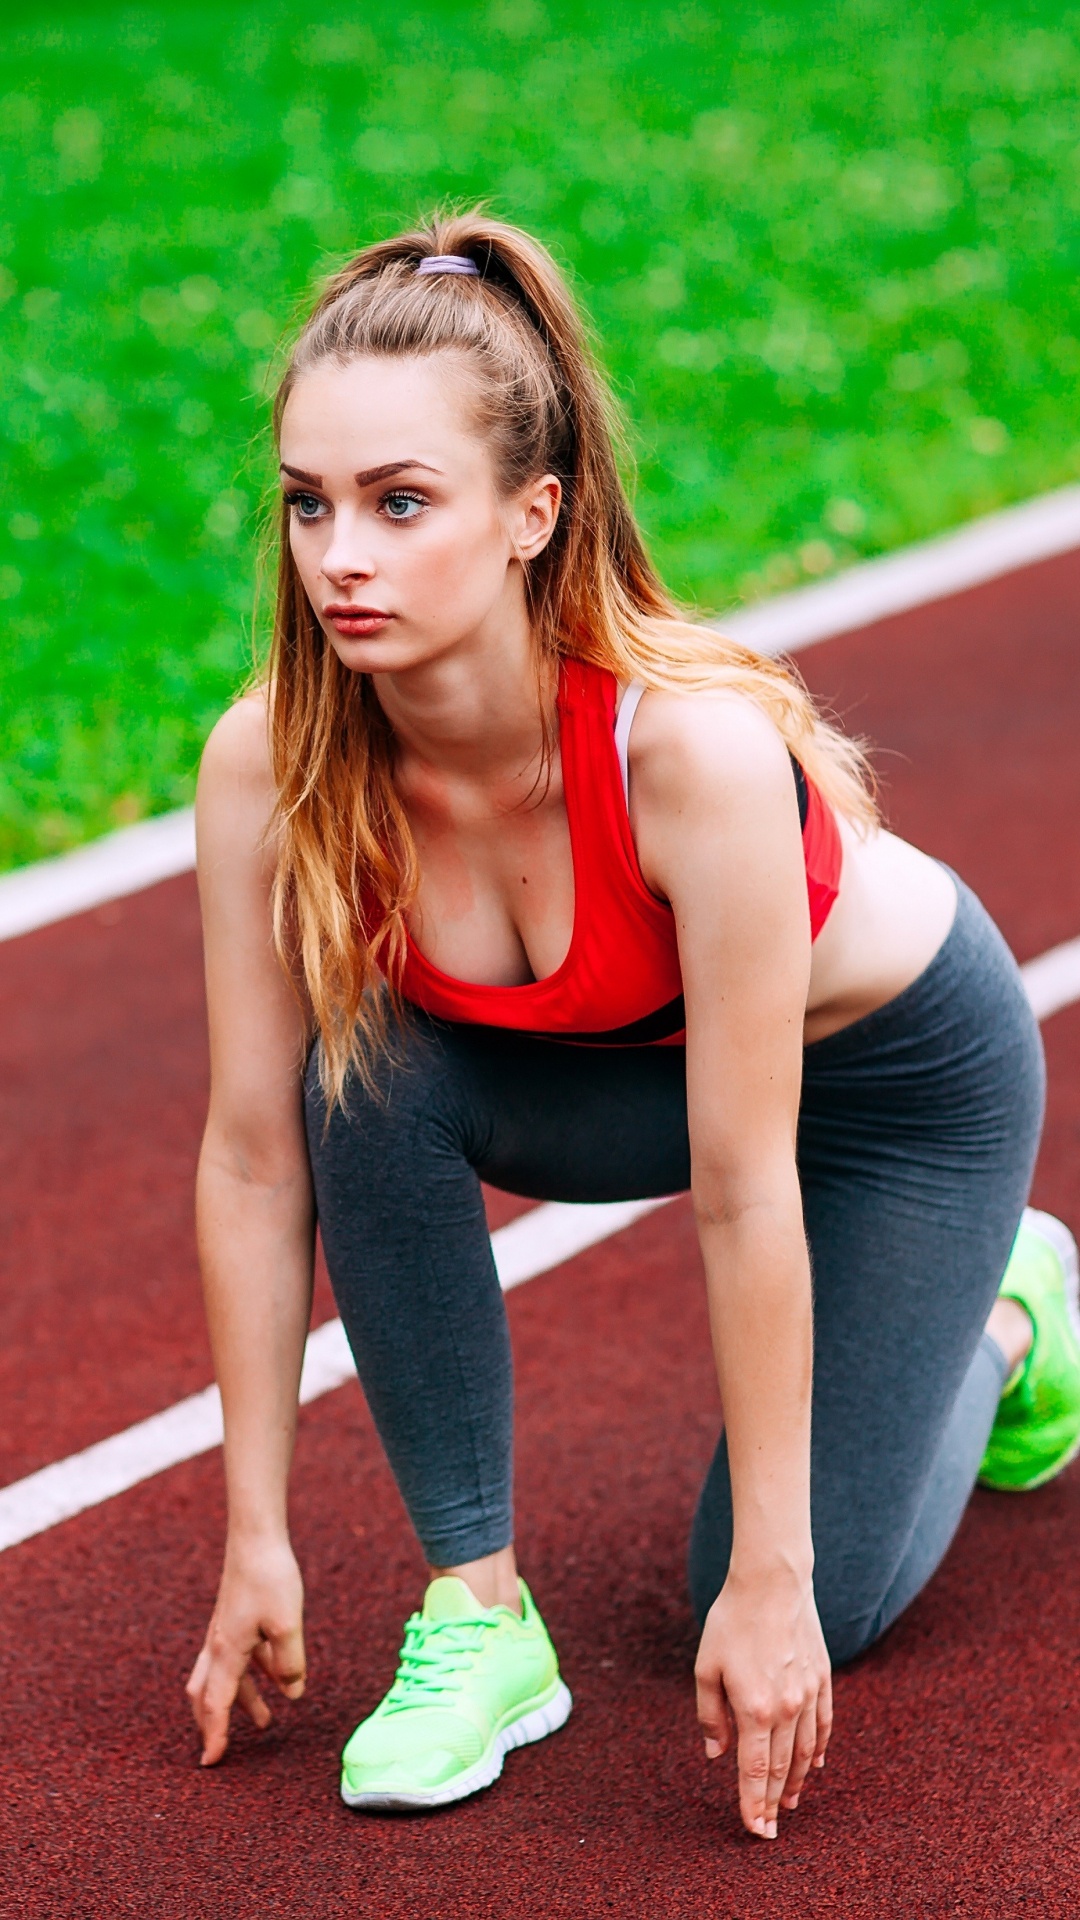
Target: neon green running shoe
{"x": 1037, "y": 1428}
{"x": 473, "y": 1682}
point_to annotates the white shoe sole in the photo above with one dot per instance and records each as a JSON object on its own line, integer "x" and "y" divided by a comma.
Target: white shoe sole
{"x": 1057, "y": 1235}
{"x": 534, "y": 1725}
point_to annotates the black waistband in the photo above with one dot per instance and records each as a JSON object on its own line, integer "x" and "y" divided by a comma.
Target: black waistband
{"x": 637, "y": 1033}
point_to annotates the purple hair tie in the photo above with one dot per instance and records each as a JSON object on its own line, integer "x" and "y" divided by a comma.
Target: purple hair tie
{"x": 448, "y": 263}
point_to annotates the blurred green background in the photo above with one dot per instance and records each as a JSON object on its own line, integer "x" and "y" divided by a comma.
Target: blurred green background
{"x": 830, "y": 254}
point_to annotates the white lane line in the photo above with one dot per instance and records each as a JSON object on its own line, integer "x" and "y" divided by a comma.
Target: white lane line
{"x": 121, "y": 863}
{"x": 530, "y": 1245}
{"x": 1053, "y": 980}
{"x": 999, "y": 543}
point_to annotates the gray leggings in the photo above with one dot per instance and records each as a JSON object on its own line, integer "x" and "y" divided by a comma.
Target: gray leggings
{"x": 917, "y": 1136}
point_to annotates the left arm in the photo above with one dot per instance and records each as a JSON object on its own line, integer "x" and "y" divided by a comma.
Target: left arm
{"x": 717, "y": 829}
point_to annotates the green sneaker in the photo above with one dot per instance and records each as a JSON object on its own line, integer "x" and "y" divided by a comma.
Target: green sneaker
{"x": 473, "y": 1683}
{"x": 1037, "y": 1428}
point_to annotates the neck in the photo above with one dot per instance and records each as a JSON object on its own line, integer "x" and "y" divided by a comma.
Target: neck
{"x": 475, "y": 710}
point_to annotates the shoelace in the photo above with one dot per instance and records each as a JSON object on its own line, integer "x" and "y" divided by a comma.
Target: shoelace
{"x": 435, "y": 1655}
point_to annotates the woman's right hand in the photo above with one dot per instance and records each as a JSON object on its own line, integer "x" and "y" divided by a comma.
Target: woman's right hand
{"x": 257, "y": 1622}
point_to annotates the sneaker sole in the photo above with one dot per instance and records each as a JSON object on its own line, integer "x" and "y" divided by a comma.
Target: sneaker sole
{"x": 1057, "y": 1235}
{"x": 536, "y": 1724}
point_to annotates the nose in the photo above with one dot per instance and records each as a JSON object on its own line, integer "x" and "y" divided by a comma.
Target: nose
{"x": 346, "y": 558}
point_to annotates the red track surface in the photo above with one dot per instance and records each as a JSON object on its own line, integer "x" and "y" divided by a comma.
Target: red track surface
{"x": 952, "y": 1779}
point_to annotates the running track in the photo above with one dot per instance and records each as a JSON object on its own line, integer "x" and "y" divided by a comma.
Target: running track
{"x": 953, "y": 1777}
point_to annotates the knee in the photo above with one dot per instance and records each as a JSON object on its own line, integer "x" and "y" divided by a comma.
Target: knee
{"x": 848, "y": 1636}
{"x": 845, "y": 1636}
{"x": 854, "y": 1603}
{"x": 710, "y": 1544}
{"x": 850, "y": 1622}
{"x": 851, "y": 1582}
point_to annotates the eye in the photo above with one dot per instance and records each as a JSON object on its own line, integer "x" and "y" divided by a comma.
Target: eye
{"x": 402, "y": 506}
{"x": 306, "y": 506}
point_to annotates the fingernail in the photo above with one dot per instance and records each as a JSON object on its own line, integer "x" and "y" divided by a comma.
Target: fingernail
{"x": 789, "y": 1806}
{"x": 759, "y": 1825}
{"x": 770, "y": 1831}
{"x": 712, "y": 1749}
{"x": 820, "y": 1761}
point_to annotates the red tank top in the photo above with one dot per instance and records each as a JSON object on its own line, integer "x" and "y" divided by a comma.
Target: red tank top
{"x": 620, "y": 983}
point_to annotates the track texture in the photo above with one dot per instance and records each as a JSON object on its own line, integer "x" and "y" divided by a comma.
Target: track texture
{"x": 952, "y": 1781}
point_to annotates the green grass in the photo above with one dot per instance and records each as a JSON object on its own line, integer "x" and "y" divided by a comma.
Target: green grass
{"x": 831, "y": 255}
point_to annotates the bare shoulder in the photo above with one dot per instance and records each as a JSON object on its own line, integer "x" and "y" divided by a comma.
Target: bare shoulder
{"x": 236, "y": 796}
{"x": 719, "y": 748}
{"x": 239, "y": 744}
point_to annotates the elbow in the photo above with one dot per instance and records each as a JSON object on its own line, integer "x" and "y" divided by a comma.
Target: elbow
{"x": 716, "y": 1207}
{"x": 254, "y": 1160}
{"x": 724, "y": 1198}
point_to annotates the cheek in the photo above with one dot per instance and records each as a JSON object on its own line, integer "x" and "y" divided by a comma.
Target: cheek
{"x": 459, "y": 565}
{"x": 306, "y": 549}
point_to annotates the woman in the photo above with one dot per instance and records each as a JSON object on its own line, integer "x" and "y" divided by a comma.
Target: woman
{"x": 510, "y": 873}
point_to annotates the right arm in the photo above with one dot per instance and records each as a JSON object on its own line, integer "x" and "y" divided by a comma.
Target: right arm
{"x": 256, "y": 1226}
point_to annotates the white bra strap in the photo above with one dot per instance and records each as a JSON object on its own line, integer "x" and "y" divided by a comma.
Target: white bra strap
{"x": 622, "y": 730}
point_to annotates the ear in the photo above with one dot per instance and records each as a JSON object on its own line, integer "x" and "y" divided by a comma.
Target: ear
{"x": 535, "y": 513}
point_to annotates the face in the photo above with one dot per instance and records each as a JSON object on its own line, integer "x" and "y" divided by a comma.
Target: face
{"x": 403, "y": 546}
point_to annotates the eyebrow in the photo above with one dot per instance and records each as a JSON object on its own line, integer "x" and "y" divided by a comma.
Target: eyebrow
{"x": 368, "y": 476}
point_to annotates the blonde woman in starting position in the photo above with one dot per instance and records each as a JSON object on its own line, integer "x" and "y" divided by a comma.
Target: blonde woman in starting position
{"x": 511, "y": 873}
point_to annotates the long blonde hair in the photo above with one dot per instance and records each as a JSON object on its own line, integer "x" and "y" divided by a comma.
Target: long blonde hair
{"x": 347, "y": 868}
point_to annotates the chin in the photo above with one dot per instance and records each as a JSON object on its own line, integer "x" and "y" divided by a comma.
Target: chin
{"x": 389, "y": 653}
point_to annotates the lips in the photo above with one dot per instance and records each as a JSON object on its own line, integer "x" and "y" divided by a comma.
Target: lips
{"x": 354, "y": 622}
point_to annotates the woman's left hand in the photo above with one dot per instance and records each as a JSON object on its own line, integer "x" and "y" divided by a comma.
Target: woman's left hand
{"x": 763, "y": 1678}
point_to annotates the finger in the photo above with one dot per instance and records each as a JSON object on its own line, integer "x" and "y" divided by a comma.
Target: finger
{"x": 251, "y": 1700}
{"x": 281, "y": 1657}
{"x": 802, "y": 1754}
{"x": 713, "y": 1716}
{"x": 214, "y": 1727}
{"x": 781, "y": 1747}
{"x": 754, "y": 1746}
{"x": 196, "y": 1689}
{"x": 196, "y": 1680}
{"x": 824, "y": 1721}
{"x": 222, "y": 1686}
